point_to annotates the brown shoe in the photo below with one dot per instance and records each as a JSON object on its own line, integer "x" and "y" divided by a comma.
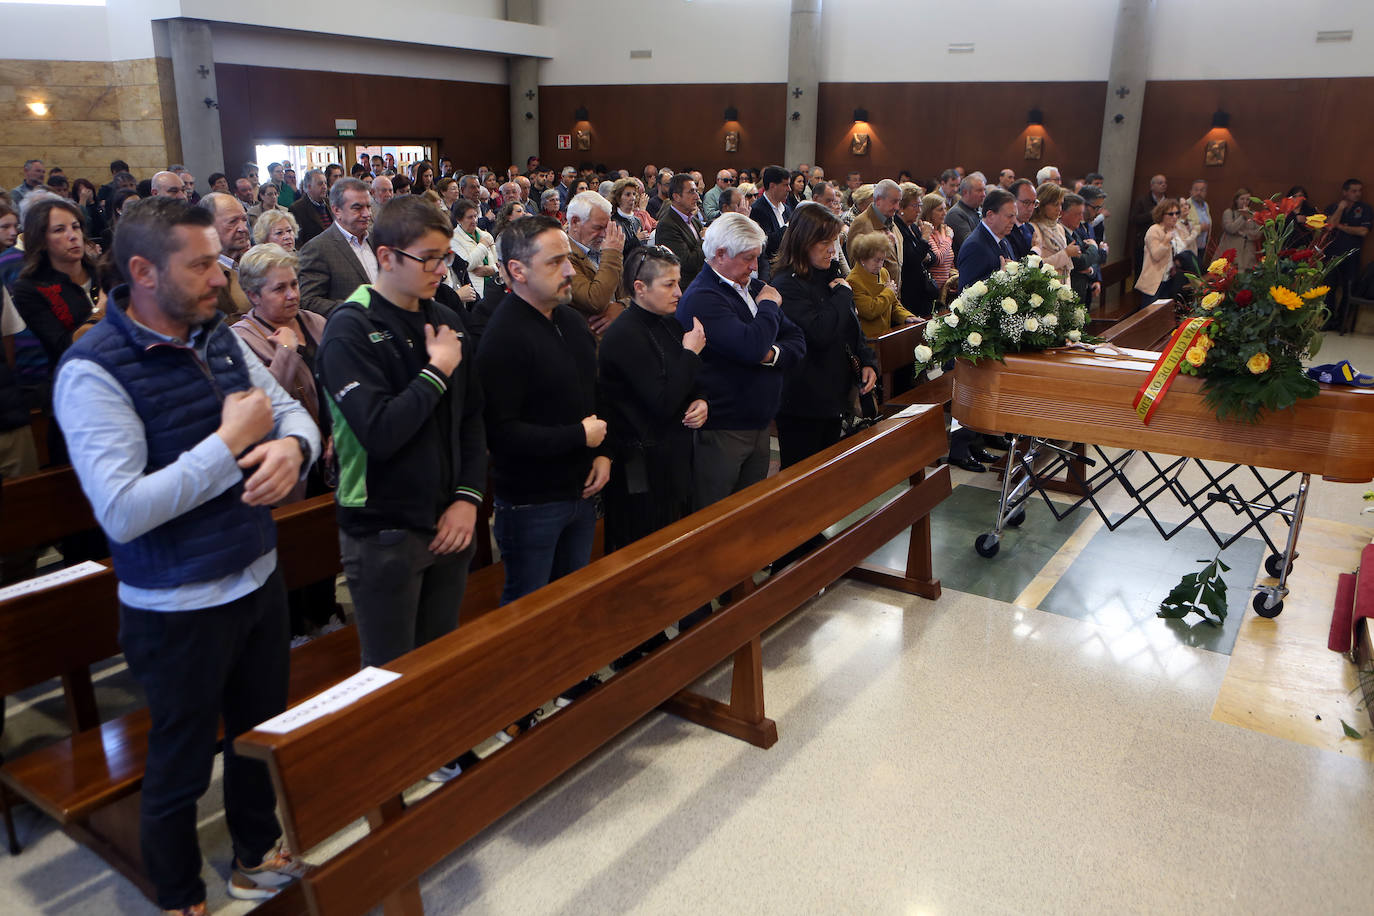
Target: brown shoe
{"x": 276, "y": 870}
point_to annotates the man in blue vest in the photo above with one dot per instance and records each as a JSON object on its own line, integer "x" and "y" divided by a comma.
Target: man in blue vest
{"x": 182, "y": 441}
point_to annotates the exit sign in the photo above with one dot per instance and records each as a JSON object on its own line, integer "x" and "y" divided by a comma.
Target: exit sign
{"x": 565, "y": 141}
{"x": 347, "y": 132}
{"x": 347, "y": 127}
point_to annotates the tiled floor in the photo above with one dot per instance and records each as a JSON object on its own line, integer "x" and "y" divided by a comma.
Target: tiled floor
{"x": 1036, "y": 741}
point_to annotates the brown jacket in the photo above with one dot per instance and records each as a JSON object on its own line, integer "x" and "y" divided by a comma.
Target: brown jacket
{"x": 232, "y": 301}
{"x": 870, "y": 221}
{"x": 593, "y": 288}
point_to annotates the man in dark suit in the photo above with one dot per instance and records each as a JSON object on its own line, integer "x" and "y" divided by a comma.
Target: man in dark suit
{"x": 963, "y": 216}
{"x": 750, "y": 343}
{"x": 770, "y": 212}
{"x": 1142, "y": 217}
{"x": 312, "y": 210}
{"x": 679, "y": 228}
{"x": 1019, "y": 238}
{"x": 340, "y": 259}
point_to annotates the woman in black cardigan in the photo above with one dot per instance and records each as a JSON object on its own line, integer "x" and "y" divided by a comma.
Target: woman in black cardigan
{"x": 818, "y": 299}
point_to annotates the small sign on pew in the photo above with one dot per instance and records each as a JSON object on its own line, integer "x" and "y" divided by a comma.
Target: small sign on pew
{"x": 914, "y": 410}
{"x": 51, "y": 580}
{"x": 332, "y": 700}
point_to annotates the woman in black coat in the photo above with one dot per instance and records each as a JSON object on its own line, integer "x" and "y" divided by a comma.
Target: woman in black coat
{"x": 818, "y": 299}
{"x": 918, "y": 259}
{"x": 647, "y": 370}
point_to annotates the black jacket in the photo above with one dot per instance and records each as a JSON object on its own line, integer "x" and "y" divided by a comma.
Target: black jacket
{"x": 673, "y": 233}
{"x": 409, "y": 439}
{"x": 762, "y": 212}
{"x": 819, "y": 386}
{"x": 917, "y": 260}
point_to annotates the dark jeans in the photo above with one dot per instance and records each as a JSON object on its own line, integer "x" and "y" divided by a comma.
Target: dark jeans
{"x": 541, "y": 542}
{"x": 725, "y": 461}
{"x": 196, "y": 666}
{"x": 403, "y": 595}
{"x": 801, "y": 437}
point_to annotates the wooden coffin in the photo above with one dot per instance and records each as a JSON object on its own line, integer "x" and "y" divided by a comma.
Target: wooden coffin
{"x": 1082, "y": 396}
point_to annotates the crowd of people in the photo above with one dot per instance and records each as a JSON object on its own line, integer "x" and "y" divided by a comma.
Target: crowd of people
{"x": 581, "y": 341}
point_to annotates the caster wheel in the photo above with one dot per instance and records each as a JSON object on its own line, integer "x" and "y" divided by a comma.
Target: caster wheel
{"x": 1017, "y": 518}
{"x": 1260, "y": 604}
{"x": 987, "y": 545}
{"x": 1273, "y": 565}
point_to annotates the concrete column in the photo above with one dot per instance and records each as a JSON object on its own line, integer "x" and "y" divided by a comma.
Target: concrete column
{"x": 524, "y": 90}
{"x": 1121, "y": 118}
{"x": 192, "y": 52}
{"x": 803, "y": 82}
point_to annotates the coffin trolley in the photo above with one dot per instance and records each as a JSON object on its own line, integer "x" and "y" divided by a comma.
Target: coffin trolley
{"x": 1052, "y": 399}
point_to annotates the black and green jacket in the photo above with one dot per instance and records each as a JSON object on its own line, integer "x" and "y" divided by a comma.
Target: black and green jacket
{"x": 409, "y": 440}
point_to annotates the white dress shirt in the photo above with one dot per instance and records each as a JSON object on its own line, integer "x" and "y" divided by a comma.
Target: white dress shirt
{"x": 362, "y": 251}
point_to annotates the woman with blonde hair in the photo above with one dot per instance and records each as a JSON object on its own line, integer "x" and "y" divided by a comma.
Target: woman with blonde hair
{"x": 875, "y": 292}
{"x": 1167, "y": 236}
{"x": 1047, "y": 235}
{"x": 279, "y": 227}
{"x": 938, "y": 236}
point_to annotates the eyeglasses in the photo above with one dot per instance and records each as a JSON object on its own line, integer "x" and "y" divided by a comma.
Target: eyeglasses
{"x": 654, "y": 252}
{"x": 1171, "y": 213}
{"x": 429, "y": 265}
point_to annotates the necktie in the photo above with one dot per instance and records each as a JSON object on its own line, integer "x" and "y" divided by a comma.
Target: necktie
{"x": 1006, "y": 249}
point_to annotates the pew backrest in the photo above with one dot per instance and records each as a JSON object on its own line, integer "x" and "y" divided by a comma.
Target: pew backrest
{"x": 896, "y": 351}
{"x": 41, "y": 509}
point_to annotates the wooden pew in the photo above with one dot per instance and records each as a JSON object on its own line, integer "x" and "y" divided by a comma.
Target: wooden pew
{"x": 458, "y": 690}
{"x": 896, "y": 352}
{"x": 1118, "y": 274}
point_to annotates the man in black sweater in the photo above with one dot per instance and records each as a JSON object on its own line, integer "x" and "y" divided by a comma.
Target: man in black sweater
{"x": 406, "y": 408}
{"x": 537, "y": 362}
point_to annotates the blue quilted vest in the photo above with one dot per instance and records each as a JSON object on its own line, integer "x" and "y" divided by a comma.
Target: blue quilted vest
{"x": 179, "y": 399}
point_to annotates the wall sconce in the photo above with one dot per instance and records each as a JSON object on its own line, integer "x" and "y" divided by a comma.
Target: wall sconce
{"x": 580, "y": 114}
{"x": 860, "y": 114}
{"x": 38, "y": 108}
{"x": 732, "y": 113}
{"x": 1035, "y": 117}
{"x": 1221, "y": 118}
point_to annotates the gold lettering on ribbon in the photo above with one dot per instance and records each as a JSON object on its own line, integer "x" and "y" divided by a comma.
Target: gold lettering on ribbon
{"x": 1147, "y": 398}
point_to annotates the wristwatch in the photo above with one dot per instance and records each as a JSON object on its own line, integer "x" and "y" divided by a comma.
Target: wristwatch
{"x": 304, "y": 444}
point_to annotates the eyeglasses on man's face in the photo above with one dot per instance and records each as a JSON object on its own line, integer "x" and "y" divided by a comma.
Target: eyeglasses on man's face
{"x": 429, "y": 265}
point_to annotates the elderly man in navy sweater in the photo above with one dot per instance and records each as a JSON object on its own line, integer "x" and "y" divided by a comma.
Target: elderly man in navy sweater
{"x": 749, "y": 344}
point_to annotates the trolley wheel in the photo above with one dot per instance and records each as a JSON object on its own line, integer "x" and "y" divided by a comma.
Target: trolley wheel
{"x": 1017, "y": 518}
{"x": 1261, "y": 606}
{"x": 1273, "y": 565}
{"x": 987, "y": 545}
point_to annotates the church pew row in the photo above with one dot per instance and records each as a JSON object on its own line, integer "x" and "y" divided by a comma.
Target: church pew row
{"x": 461, "y": 688}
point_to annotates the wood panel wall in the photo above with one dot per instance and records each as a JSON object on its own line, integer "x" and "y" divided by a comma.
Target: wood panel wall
{"x": 470, "y": 121}
{"x": 679, "y": 125}
{"x": 1312, "y": 132}
{"x": 928, "y": 127}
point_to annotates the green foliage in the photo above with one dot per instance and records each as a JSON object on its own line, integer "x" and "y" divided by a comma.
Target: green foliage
{"x": 1024, "y": 306}
{"x": 1202, "y": 593}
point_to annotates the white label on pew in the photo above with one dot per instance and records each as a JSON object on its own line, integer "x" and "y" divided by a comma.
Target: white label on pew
{"x": 51, "y": 580}
{"x": 915, "y": 410}
{"x": 332, "y": 700}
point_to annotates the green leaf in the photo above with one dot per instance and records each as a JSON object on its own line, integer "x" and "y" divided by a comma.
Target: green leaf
{"x": 1350, "y": 732}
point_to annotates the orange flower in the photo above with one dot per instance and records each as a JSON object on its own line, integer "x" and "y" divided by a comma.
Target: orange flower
{"x": 1316, "y": 291}
{"x": 1285, "y": 297}
{"x": 1257, "y": 364}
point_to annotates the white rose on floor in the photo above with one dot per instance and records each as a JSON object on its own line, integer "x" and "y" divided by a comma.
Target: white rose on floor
{"x": 1032, "y": 324}
{"x": 1035, "y": 300}
{"x": 1012, "y": 269}
{"x": 1009, "y": 305}
{"x": 975, "y": 339}
{"x": 1033, "y": 261}
{"x": 1065, "y": 293}
{"x": 978, "y": 288}
{"x": 1051, "y": 320}
{"x": 923, "y": 353}
{"x": 1074, "y": 336}
{"x": 952, "y": 320}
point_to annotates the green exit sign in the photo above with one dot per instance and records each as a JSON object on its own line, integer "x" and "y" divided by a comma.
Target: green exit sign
{"x": 347, "y": 127}
{"x": 347, "y": 132}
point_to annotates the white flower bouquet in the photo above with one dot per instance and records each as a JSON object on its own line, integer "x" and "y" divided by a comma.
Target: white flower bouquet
{"x": 1023, "y": 306}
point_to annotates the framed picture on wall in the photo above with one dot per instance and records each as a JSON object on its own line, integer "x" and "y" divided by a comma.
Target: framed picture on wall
{"x": 1215, "y": 153}
{"x": 732, "y": 141}
{"x": 1035, "y": 147}
{"x": 859, "y": 145}
{"x": 583, "y": 138}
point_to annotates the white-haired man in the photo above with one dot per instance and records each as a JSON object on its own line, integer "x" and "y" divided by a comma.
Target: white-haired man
{"x": 1048, "y": 173}
{"x": 596, "y": 246}
{"x": 567, "y": 178}
{"x": 749, "y": 345}
{"x": 382, "y": 191}
{"x": 887, "y": 200}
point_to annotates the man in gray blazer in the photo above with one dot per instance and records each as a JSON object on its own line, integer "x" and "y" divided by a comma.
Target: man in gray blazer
{"x": 340, "y": 259}
{"x": 963, "y": 217}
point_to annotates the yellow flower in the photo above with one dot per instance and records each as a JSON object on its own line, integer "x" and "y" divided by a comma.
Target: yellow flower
{"x": 1210, "y": 300}
{"x": 1285, "y": 297}
{"x": 1316, "y": 291}
{"x": 1258, "y": 363}
{"x": 1204, "y": 342}
{"x": 1196, "y": 355}
{"x": 1218, "y": 266}
{"x": 1316, "y": 222}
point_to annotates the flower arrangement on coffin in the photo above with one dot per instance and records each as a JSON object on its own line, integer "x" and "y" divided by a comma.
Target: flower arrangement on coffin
{"x": 1023, "y": 306}
{"x": 1256, "y": 327}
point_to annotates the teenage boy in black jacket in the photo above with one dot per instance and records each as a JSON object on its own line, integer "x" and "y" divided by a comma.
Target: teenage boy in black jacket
{"x": 406, "y": 408}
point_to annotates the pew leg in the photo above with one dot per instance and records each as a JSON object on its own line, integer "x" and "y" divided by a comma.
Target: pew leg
{"x": 404, "y": 901}
{"x": 919, "y": 576}
{"x": 82, "y": 713}
{"x": 743, "y": 717}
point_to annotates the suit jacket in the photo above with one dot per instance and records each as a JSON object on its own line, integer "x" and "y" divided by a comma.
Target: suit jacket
{"x": 917, "y": 260}
{"x": 1140, "y": 221}
{"x": 763, "y": 213}
{"x": 329, "y": 272}
{"x": 231, "y": 299}
{"x": 980, "y": 256}
{"x": 594, "y": 288}
{"x": 1020, "y": 240}
{"x": 963, "y": 219}
{"x": 673, "y": 233}
{"x": 309, "y": 220}
{"x": 870, "y": 221}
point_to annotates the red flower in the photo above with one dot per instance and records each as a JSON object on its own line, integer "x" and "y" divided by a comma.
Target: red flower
{"x": 1305, "y": 254}
{"x": 1244, "y": 297}
{"x": 1229, "y": 254}
{"x": 1287, "y": 204}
